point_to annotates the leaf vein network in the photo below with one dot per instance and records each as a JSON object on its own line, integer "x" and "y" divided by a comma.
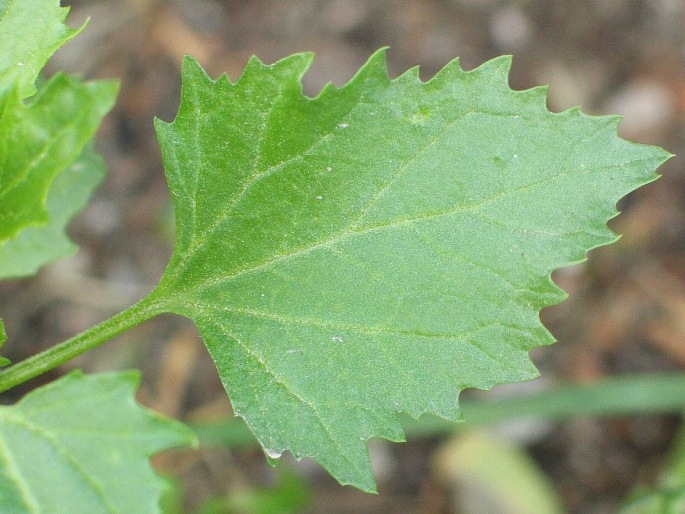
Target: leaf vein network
{"x": 255, "y": 176}
{"x": 67, "y": 455}
{"x": 348, "y": 233}
{"x": 285, "y": 320}
{"x": 49, "y": 143}
{"x": 288, "y": 388}
{"x": 13, "y": 472}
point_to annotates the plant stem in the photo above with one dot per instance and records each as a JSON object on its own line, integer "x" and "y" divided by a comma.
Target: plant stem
{"x": 38, "y": 364}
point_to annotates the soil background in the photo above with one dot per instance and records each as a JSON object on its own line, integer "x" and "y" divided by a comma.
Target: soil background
{"x": 626, "y": 310}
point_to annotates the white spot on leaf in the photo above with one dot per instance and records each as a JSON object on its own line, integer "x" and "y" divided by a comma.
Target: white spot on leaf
{"x": 272, "y": 454}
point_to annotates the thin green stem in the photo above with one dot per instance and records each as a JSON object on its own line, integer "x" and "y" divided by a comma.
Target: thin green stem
{"x": 87, "y": 340}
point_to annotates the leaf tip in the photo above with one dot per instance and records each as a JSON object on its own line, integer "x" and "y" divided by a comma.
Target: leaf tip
{"x": 375, "y": 67}
{"x": 378, "y": 59}
{"x": 496, "y": 71}
{"x": 496, "y": 67}
{"x": 291, "y": 67}
{"x": 192, "y": 68}
{"x": 63, "y": 14}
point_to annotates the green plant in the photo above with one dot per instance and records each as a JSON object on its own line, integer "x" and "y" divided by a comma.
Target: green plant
{"x": 371, "y": 251}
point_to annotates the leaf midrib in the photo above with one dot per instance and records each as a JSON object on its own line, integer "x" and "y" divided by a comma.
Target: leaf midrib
{"x": 30, "y": 502}
{"x": 197, "y": 243}
{"x": 66, "y": 454}
{"x": 50, "y": 142}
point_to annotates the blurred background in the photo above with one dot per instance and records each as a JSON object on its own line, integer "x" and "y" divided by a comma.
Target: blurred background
{"x": 625, "y": 313}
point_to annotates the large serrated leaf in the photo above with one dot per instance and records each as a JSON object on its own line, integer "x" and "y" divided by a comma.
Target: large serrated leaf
{"x": 82, "y": 444}
{"x": 39, "y": 139}
{"x": 69, "y": 193}
{"x": 381, "y": 247}
{"x": 30, "y": 32}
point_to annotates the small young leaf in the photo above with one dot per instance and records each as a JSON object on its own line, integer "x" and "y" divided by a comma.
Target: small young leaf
{"x": 378, "y": 248}
{"x": 30, "y": 32}
{"x": 69, "y": 193}
{"x": 41, "y": 138}
{"x": 82, "y": 444}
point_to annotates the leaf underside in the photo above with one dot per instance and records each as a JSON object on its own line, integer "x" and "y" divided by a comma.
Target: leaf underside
{"x": 378, "y": 248}
{"x": 82, "y": 444}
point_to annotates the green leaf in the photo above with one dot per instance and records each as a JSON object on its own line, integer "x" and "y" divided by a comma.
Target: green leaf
{"x": 69, "y": 193}
{"x": 3, "y": 337}
{"x": 381, "y": 247}
{"x": 82, "y": 444}
{"x": 41, "y": 138}
{"x": 30, "y": 32}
